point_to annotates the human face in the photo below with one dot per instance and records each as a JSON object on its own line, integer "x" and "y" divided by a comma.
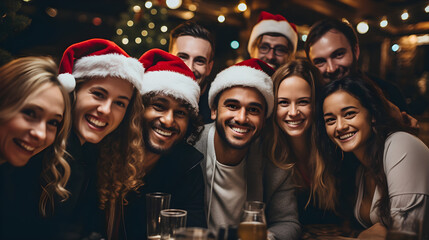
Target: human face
{"x": 239, "y": 116}
{"x": 195, "y": 52}
{"x": 347, "y": 122}
{"x": 294, "y": 114}
{"x": 33, "y": 128}
{"x": 270, "y": 58}
{"x": 165, "y": 123}
{"x": 100, "y": 106}
{"x": 333, "y": 56}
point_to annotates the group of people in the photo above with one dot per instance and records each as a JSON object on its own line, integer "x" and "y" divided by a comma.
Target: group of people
{"x": 315, "y": 139}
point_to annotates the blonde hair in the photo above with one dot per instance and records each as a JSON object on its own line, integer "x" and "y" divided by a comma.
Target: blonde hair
{"x": 276, "y": 143}
{"x": 20, "y": 80}
{"x": 120, "y": 167}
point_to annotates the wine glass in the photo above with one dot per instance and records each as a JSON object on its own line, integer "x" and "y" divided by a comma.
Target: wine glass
{"x": 253, "y": 225}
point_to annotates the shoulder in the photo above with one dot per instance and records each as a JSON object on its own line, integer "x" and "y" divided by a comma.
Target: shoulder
{"x": 184, "y": 156}
{"x": 201, "y": 144}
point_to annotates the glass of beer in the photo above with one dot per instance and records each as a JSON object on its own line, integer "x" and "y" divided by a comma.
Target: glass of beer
{"x": 409, "y": 229}
{"x": 253, "y": 225}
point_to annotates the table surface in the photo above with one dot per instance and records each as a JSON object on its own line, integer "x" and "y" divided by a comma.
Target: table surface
{"x": 327, "y": 232}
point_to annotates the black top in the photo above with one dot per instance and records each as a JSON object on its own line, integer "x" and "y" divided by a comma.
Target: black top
{"x": 178, "y": 173}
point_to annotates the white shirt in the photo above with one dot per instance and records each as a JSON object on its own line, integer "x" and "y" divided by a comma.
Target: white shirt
{"x": 226, "y": 189}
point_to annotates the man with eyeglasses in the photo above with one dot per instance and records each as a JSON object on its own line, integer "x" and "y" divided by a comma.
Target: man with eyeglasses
{"x": 273, "y": 39}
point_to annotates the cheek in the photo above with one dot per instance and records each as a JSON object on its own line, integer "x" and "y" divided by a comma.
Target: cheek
{"x": 50, "y": 137}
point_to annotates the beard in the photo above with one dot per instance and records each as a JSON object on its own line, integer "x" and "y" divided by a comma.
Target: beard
{"x": 222, "y": 134}
{"x": 150, "y": 145}
{"x": 341, "y": 72}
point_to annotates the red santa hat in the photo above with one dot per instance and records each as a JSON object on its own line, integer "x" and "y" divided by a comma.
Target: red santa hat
{"x": 168, "y": 74}
{"x": 253, "y": 73}
{"x": 270, "y": 23}
{"x": 98, "y": 58}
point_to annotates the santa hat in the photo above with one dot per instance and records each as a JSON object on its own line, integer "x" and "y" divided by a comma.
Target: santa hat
{"x": 168, "y": 74}
{"x": 269, "y": 23}
{"x": 253, "y": 73}
{"x": 98, "y": 58}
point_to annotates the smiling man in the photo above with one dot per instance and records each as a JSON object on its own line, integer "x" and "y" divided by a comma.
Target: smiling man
{"x": 241, "y": 98}
{"x": 170, "y": 99}
{"x": 273, "y": 40}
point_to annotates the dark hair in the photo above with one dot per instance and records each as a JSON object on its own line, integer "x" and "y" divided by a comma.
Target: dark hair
{"x": 320, "y": 28}
{"x": 382, "y": 124}
{"x": 195, "y": 124}
{"x": 190, "y": 28}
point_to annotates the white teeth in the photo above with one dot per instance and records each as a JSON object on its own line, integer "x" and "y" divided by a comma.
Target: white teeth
{"x": 164, "y": 133}
{"x": 240, "y": 130}
{"x": 342, "y": 137}
{"x": 26, "y": 147}
{"x": 295, "y": 122}
{"x": 96, "y": 122}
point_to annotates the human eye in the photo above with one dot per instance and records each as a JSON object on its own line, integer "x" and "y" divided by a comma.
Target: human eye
{"x": 254, "y": 110}
{"x": 200, "y": 61}
{"x": 281, "y": 50}
{"x": 303, "y": 102}
{"x": 29, "y": 112}
{"x": 183, "y": 56}
{"x": 350, "y": 114}
{"x": 54, "y": 123}
{"x": 329, "y": 120}
{"x": 181, "y": 113}
{"x": 97, "y": 94}
{"x": 283, "y": 102}
{"x": 121, "y": 104}
{"x": 339, "y": 54}
{"x": 231, "y": 106}
{"x": 264, "y": 48}
{"x": 319, "y": 62}
{"x": 158, "y": 106}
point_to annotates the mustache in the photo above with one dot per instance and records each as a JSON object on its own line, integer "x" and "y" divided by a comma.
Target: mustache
{"x": 161, "y": 126}
{"x": 197, "y": 74}
{"x": 232, "y": 122}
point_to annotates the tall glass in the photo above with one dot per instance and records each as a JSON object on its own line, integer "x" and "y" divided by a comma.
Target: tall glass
{"x": 253, "y": 225}
{"x": 155, "y": 202}
{"x": 409, "y": 229}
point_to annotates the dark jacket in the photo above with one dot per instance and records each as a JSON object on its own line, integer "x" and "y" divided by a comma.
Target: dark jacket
{"x": 20, "y": 191}
{"x": 178, "y": 173}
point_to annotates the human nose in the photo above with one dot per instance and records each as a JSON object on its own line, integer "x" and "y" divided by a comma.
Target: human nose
{"x": 293, "y": 110}
{"x": 167, "y": 118}
{"x": 39, "y": 131}
{"x": 341, "y": 125}
{"x": 241, "y": 115}
{"x": 104, "y": 107}
{"x": 270, "y": 54}
{"x": 189, "y": 63}
{"x": 331, "y": 66}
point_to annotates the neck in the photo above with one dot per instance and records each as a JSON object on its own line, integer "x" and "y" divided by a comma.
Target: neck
{"x": 301, "y": 149}
{"x": 360, "y": 155}
{"x": 226, "y": 154}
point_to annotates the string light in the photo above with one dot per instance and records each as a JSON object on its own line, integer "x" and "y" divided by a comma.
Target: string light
{"x": 362, "y": 27}
{"x": 137, "y": 8}
{"x": 192, "y": 7}
{"x": 163, "y": 41}
{"x": 119, "y": 31}
{"x": 404, "y": 15}
{"x": 242, "y": 7}
{"x": 148, "y": 4}
{"x": 384, "y": 22}
{"x": 173, "y": 4}
{"x": 395, "y": 47}
{"x": 427, "y": 8}
{"x": 304, "y": 37}
{"x": 144, "y": 33}
{"x": 235, "y": 44}
{"x": 138, "y": 40}
{"x": 130, "y": 23}
{"x": 164, "y": 29}
{"x": 221, "y": 18}
{"x": 125, "y": 41}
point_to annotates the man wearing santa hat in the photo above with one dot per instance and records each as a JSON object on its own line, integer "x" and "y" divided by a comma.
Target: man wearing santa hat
{"x": 235, "y": 171}
{"x": 170, "y": 119}
{"x": 273, "y": 40}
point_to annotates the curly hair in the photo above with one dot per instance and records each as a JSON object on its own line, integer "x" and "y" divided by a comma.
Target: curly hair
{"x": 383, "y": 124}
{"x": 21, "y": 80}
{"x": 120, "y": 166}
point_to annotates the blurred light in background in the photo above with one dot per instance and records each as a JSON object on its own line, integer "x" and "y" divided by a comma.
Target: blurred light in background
{"x": 395, "y": 47}
{"x": 130, "y": 23}
{"x": 192, "y": 7}
{"x": 242, "y": 7}
{"x": 173, "y": 4}
{"x": 304, "y": 37}
{"x": 125, "y": 41}
{"x": 362, "y": 27}
{"x": 138, "y": 40}
{"x": 151, "y": 25}
{"x": 164, "y": 29}
{"x": 163, "y": 41}
{"x": 137, "y": 8}
{"x": 52, "y": 12}
{"x": 144, "y": 33}
{"x": 427, "y": 8}
{"x": 148, "y": 4}
{"x": 235, "y": 44}
{"x": 221, "y": 18}
{"x": 119, "y": 31}
{"x": 404, "y": 15}
{"x": 96, "y": 21}
{"x": 384, "y": 22}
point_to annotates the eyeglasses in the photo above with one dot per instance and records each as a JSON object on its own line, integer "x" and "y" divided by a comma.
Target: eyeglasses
{"x": 278, "y": 50}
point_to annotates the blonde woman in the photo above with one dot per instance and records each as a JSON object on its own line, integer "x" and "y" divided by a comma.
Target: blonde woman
{"x": 34, "y": 119}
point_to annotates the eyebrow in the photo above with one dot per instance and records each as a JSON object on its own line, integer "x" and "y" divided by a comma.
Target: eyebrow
{"x": 107, "y": 93}
{"x": 231, "y": 100}
{"x": 40, "y": 109}
{"x": 342, "y": 110}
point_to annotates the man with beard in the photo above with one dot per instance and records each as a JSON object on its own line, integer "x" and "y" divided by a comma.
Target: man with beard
{"x": 171, "y": 165}
{"x": 273, "y": 40}
{"x": 333, "y": 47}
{"x": 195, "y": 45}
{"x": 241, "y": 98}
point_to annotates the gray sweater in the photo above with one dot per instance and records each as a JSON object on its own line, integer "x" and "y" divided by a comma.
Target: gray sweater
{"x": 267, "y": 183}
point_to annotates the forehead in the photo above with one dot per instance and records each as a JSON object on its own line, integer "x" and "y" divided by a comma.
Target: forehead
{"x": 339, "y": 100}
{"x": 274, "y": 40}
{"x": 294, "y": 85}
{"x": 328, "y": 43}
{"x": 192, "y": 46}
{"x": 170, "y": 101}
{"x": 244, "y": 95}
{"x": 50, "y": 99}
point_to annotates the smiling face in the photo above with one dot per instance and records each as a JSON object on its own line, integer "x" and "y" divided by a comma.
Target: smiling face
{"x": 294, "y": 112}
{"x": 333, "y": 56}
{"x": 270, "y": 58}
{"x": 100, "y": 106}
{"x": 347, "y": 122}
{"x": 196, "y": 53}
{"x": 165, "y": 123}
{"x": 239, "y": 116}
{"x": 33, "y": 128}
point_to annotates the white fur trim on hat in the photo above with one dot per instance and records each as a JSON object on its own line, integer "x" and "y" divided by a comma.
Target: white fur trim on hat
{"x": 114, "y": 65}
{"x": 67, "y": 81}
{"x": 243, "y": 76}
{"x": 173, "y": 84}
{"x": 268, "y": 26}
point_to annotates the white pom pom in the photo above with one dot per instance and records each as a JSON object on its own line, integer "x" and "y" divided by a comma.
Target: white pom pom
{"x": 68, "y": 81}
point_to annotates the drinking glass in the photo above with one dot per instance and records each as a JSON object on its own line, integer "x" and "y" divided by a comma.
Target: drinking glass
{"x": 193, "y": 233}
{"x": 155, "y": 202}
{"x": 253, "y": 225}
{"x": 409, "y": 229}
{"x": 171, "y": 221}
